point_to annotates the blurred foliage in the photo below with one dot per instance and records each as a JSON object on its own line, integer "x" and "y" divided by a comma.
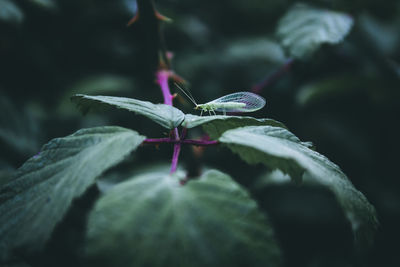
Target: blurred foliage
{"x": 344, "y": 98}
{"x": 304, "y": 29}
{"x": 192, "y": 220}
{"x": 39, "y": 195}
{"x": 10, "y": 12}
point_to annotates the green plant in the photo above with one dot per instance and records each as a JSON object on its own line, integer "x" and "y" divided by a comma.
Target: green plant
{"x": 164, "y": 217}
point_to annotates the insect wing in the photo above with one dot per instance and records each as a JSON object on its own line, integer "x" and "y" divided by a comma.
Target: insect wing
{"x": 253, "y": 102}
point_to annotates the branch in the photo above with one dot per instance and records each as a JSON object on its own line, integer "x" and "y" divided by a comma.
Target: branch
{"x": 273, "y": 77}
{"x": 150, "y": 16}
{"x": 158, "y": 141}
{"x": 162, "y": 80}
{"x": 177, "y": 150}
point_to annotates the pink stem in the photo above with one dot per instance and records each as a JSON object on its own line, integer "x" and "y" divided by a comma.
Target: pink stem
{"x": 162, "y": 80}
{"x": 175, "y": 157}
{"x": 158, "y": 141}
{"x": 177, "y": 150}
{"x": 183, "y": 133}
{"x": 273, "y": 77}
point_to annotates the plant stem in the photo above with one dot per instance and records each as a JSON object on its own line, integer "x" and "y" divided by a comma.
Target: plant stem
{"x": 177, "y": 150}
{"x": 273, "y": 77}
{"x": 158, "y": 141}
{"x": 162, "y": 79}
{"x": 164, "y": 71}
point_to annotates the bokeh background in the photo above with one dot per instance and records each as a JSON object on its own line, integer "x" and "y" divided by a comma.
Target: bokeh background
{"x": 344, "y": 99}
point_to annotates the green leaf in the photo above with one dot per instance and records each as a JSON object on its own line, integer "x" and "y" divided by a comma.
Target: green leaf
{"x": 216, "y": 125}
{"x": 10, "y": 12}
{"x": 152, "y": 220}
{"x": 271, "y": 178}
{"x": 275, "y": 147}
{"x": 304, "y": 29}
{"x": 165, "y": 115}
{"x": 335, "y": 86}
{"x": 112, "y": 178}
{"x": 37, "y": 198}
{"x": 253, "y": 50}
{"x": 279, "y": 149}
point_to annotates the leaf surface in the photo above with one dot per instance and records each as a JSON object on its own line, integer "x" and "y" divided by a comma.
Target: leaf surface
{"x": 337, "y": 86}
{"x": 37, "y": 198}
{"x": 278, "y": 148}
{"x": 152, "y": 220}
{"x": 304, "y": 29}
{"x": 216, "y": 125}
{"x": 165, "y": 115}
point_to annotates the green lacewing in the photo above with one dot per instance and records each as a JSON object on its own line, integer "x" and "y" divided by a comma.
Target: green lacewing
{"x": 236, "y": 102}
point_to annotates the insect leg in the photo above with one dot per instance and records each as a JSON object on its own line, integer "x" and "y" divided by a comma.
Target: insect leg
{"x": 201, "y": 113}
{"x": 224, "y": 112}
{"x": 214, "y": 112}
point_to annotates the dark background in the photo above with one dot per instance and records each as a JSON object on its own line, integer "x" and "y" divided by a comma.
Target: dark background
{"x": 345, "y": 98}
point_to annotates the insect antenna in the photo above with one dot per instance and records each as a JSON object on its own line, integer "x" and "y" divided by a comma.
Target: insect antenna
{"x": 187, "y": 94}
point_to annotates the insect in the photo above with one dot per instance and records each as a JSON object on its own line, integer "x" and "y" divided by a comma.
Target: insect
{"x": 236, "y": 102}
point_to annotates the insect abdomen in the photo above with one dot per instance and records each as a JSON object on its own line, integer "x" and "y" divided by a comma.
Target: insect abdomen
{"x": 226, "y": 106}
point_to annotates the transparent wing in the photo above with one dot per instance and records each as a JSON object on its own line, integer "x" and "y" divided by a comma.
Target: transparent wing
{"x": 253, "y": 102}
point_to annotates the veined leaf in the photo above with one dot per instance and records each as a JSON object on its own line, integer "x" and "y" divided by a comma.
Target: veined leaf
{"x": 165, "y": 115}
{"x": 279, "y": 149}
{"x": 36, "y": 199}
{"x": 210, "y": 221}
{"x": 304, "y": 29}
{"x": 216, "y": 125}
{"x": 275, "y": 147}
{"x": 113, "y": 178}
